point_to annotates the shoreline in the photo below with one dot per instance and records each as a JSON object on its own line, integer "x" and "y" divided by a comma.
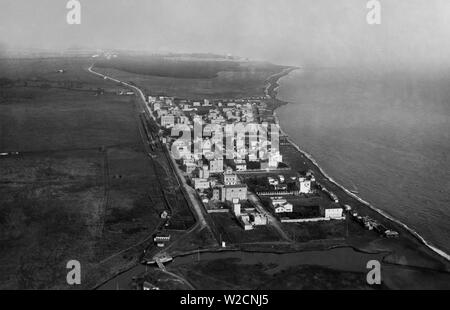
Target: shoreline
{"x": 272, "y": 91}
{"x": 369, "y": 205}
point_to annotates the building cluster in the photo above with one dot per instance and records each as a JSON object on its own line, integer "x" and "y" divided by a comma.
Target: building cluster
{"x": 303, "y": 184}
{"x": 371, "y": 224}
{"x": 236, "y": 132}
{"x": 213, "y": 172}
{"x": 249, "y": 218}
{"x": 294, "y": 185}
{"x": 281, "y": 205}
{"x": 225, "y": 188}
{"x": 161, "y": 239}
{"x": 286, "y": 212}
{"x": 214, "y": 177}
{"x": 213, "y": 159}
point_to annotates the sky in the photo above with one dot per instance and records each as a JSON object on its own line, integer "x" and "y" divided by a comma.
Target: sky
{"x": 293, "y": 32}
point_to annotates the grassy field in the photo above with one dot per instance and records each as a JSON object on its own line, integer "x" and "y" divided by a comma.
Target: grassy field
{"x": 80, "y": 186}
{"x": 44, "y": 70}
{"x": 237, "y": 80}
{"x": 158, "y": 65}
{"x": 55, "y": 120}
{"x": 325, "y": 230}
{"x": 214, "y": 274}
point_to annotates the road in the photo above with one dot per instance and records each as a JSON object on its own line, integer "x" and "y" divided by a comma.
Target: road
{"x": 186, "y": 189}
{"x": 191, "y": 193}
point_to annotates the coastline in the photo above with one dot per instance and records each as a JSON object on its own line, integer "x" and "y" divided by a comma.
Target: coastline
{"x": 272, "y": 91}
{"x": 273, "y": 104}
{"x": 271, "y": 88}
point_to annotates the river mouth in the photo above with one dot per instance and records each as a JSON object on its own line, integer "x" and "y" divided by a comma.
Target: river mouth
{"x": 341, "y": 259}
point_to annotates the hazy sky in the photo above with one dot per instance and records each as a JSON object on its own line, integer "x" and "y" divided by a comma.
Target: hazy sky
{"x": 299, "y": 32}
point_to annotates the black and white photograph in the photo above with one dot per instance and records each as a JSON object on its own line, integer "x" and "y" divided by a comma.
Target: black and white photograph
{"x": 222, "y": 151}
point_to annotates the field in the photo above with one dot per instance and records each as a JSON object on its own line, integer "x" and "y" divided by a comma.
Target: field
{"x": 325, "y": 230}
{"x": 81, "y": 186}
{"x": 164, "y": 66}
{"x": 237, "y": 80}
{"x": 214, "y": 274}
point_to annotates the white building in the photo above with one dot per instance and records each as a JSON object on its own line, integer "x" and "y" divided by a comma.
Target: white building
{"x": 206, "y": 146}
{"x": 229, "y": 178}
{"x": 183, "y": 120}
{"x": 167, "y": 121}
{"x": 157, "y": 106}
{"x": 181, "y": 150}
{"x": 245, "y": 222}
{"x": 280, "y": 205}
{"x": 161, "y": 112}
{"x": 230, "y": 192}
{"x": 168, "y": 101}
{"x": 272, "y": 181}
{"x": 305, "y": 186}
{"x": 216, "y": 165}
{"x": 258, "y": 219}
{"x": 274, "y": 159}
{"x": 237, "y": 209}
{"x": 200, "y": 183}
{"x": 190, "y": 167}
{"x": 204, "y": 172}
{"x": 253, "y": 156}
{"x": 333, "y": 213}
{"x": 286, "y": 207}
{"x": 241, "y": 165}
{"x": 278, "y": 201}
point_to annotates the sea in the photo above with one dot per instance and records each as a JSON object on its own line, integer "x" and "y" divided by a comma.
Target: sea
{"x": 381, "y": 133}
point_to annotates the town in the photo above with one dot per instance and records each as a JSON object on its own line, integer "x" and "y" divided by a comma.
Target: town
{"x": 228, "y": 151}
